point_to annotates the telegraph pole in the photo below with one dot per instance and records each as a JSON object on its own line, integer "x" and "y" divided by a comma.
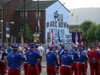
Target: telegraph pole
{"x": 77, "y": 19}
{"x": 2, "y": 21}
{"x": 24, "y": 22}
{"x": 38, "y": 19}
{"x": 37, "y": 33}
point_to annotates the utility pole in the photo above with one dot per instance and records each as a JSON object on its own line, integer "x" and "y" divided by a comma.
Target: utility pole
{"x": 37, "y": 33}
{"x": 77, "y": 19}
{"x": 24, "y": 22}
{"x": 2, "y": 21}
{"x": 38, "y": 20}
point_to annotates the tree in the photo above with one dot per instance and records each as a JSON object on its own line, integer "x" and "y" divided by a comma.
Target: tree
{"x": 97, "y": 33}
{"x": 84, "y": 36}
{"x": 28, "y": 33}
{"x": 85, "y": 26}
{"x": 28, "y": 36}
{"x": 91, "y": 33}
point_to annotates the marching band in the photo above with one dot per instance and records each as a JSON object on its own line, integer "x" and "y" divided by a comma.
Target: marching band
{"x": 58, "y": 60}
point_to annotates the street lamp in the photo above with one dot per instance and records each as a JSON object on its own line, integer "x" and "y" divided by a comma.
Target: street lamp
{"x": 1, "y": 31}
{"x": 37, "y": 33}
{"x": 2, "y": 9}
{"x": 38, "y": 25}
{"x": 8, "y": 31}
{"x": 24, "y": 21}
{"x": 77, "y": 19}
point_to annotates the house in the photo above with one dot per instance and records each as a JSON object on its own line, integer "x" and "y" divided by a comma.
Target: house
{"x": 9, "y": 14}
{"x": 53, "y": 16}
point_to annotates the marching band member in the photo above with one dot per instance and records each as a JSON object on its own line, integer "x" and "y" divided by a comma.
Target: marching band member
{"x": 3, "y": 59}
{"x": 25, "y": 65}
{"x": 66, "y": 64}
{"x": 61, "y": 52}
{"x": 51, "y": 59}
{"x": 93, "y": 60}
{"x": 32, "y": 60}
{"x": 86, "y": 53}
{"x": 14, "y": 61}
{"x": 81, "y": 61}
{"x": 75, "y": 56}
{"x": 55, "y": 50}
{"x": 99, "y": 62}
{"x": 39, "y": 60}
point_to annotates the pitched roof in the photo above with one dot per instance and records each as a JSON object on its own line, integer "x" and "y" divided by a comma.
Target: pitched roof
{"x": 33, "y": 5}
{"x": 2, "y": 2}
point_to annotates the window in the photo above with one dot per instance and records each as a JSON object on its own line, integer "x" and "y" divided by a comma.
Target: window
{"x": 0, "y": 35}
{"x": 22, "y": 15}
{"x": 37, "y": 14}
{"x": 21, "y": 27}
{"x": 0, "y": 26}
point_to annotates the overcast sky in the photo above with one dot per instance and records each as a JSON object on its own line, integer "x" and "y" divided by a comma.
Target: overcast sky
{"x": 71, "y": 4}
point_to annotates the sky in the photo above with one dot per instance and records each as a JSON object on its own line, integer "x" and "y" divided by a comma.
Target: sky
{"x": 72, "y": 4}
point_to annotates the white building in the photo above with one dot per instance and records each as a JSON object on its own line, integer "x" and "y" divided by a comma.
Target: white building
{"x": 57, "y": 20}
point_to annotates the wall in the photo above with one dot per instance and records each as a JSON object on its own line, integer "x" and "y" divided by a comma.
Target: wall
{"x": 9, "y": 13}
{"x": 32, "y": 22}
{"x": 63, "y": 31}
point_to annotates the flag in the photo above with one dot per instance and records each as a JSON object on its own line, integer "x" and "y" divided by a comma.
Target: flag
{"x": 72, "y": 14}
{"x": 39, "y": 23}
{"x": 59, "y": 37}
{"x": 67, "y": 25}
{"x": 22, "y": 40}
{"x": 73, "y": 37}
{"x": 52, "y": 37}
{"x": 63, "y": 4}
{"x": 78, "y": 34}
{"x": 7, "y": 29}
{"x": 76, "y": 38}
{"x": 81, "y": 41}
{"x": 47, "y": 24}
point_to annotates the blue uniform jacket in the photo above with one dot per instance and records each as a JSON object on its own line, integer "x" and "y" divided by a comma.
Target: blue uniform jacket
{"x": 3, "y": 54}
{"x": 9, "y": 49}
{"x": 61, "y": 52}
{"x": 82, "y": 58}
{"x": 15, "y": 59}
{"x": 67, "y": 60}
{"x": 32, "y": 57}
{"x": 99, "y": 54}
{"x": 75, "y": 55}
{"x": 51, "y": 58}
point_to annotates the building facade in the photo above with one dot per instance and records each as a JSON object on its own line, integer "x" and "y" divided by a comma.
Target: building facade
{"x": 52, "y": 16}
{"x": 57, "y": 20}
{"x": 9, "y": 15}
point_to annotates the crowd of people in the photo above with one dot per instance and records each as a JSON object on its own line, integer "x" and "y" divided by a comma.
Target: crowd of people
{"x": 59, "y": 59}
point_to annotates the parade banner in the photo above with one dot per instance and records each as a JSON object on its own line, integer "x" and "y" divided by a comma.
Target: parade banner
{"x": 77, "y": 37}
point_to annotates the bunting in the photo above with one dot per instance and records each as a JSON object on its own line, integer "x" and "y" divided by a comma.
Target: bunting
{"x": 52, "y": 37}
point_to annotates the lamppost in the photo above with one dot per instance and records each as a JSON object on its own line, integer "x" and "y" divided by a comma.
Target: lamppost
{"x": 8, "y": 32}
{"x": 77, "y": 19}
{"x": 37, "y": 33}
{"x": 2, "y": 9}
{"x": 24, "y": 21}
{"x": 38, "y": 24}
